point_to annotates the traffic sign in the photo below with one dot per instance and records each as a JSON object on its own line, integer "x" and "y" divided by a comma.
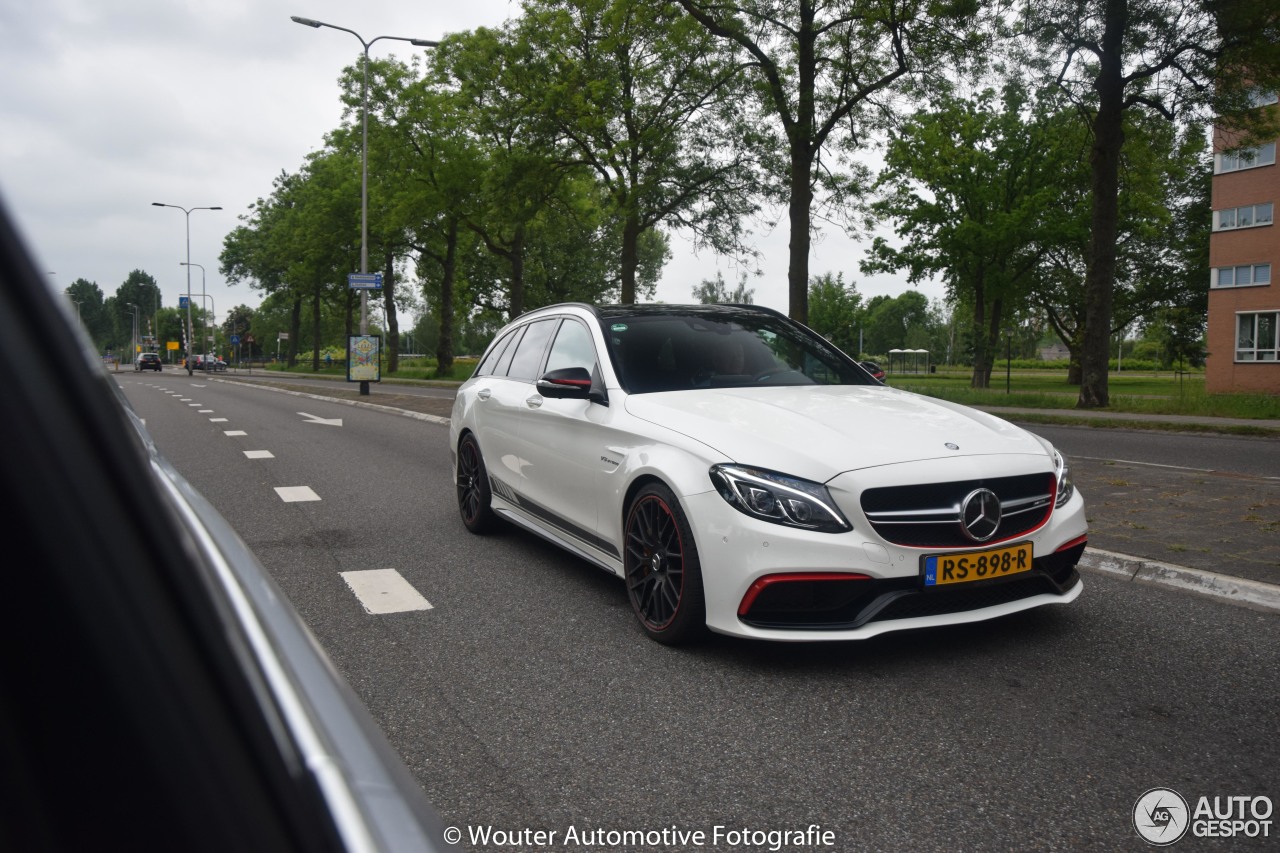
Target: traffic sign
{"x": 364, "y": 280}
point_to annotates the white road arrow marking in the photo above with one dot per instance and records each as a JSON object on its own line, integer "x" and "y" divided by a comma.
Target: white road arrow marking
{"x": 324, "y": 421}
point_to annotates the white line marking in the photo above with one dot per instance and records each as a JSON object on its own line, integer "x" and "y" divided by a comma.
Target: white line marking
{"x": 1176, "y": 467}
{"x": 1148, "y": 464}
{"x": 293, "y": 494}
{"x": 384, "y": 591}
{"x": 206, "y": 411}
{"x": 234, "y": 432}
{"x": 195, "y": 405}
{"x": 312, "y": 419}
{"x": 217, "y": 420}
{"x": 259, "y": 454}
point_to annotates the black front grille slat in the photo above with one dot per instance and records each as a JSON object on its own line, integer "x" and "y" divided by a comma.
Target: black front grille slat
{"x": 928, "y": 515}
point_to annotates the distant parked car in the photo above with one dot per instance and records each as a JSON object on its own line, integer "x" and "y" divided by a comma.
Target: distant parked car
{"x": 874, "y": 369}
{"x": 148, "y": 361}
{"x": 212, "y": 362}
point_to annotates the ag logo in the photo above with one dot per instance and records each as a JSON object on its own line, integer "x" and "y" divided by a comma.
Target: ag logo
{"x": 1161, "y": 816}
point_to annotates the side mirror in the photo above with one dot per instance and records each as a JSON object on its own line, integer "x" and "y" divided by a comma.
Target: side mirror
{"x": 567, "y": 382}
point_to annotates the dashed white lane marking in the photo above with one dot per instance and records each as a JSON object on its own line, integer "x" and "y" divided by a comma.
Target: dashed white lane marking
{"x": 259, "y": 454}
{"x": 217, "y": 420}
{"x": 234, "y": 432}
{"x": 206, "y": 412}
{"x": 293, "y": 494}
{"x": 384, "y": 591}
{"x": 195, "y": 405}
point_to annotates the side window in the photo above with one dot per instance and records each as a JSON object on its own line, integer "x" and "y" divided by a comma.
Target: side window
{"x": 528, "y": 355}
{"x": 504, "y": 361}
{"x": 486, "y": 366}
{"x": 572, "y": 348}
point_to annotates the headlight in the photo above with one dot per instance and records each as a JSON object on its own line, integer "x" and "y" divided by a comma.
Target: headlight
{"x": 775, "y": 497}
{"x": 1065, "y": 487}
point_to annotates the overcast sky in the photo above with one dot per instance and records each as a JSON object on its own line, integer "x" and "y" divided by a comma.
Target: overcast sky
{"x": 107, "y": 107}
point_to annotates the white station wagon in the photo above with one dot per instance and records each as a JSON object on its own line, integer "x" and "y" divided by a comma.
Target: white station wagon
{"x": 742, "y": 474}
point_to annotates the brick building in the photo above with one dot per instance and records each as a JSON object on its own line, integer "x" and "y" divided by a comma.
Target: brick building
{"x": 1244, "y": 253}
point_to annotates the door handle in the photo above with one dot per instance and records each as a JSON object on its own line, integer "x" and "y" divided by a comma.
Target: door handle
{"x": 484, "y": 393}
{"x": 534, "y": 402}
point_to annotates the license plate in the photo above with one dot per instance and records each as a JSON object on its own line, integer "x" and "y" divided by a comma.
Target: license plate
{"x": 970, "y": 566}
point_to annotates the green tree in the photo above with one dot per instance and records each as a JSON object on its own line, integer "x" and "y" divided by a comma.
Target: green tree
{"x": 826, "y": 66}
{"x": 896, "y": 322}
{"x": 646, "y": 99}
{"x": 835, "y": 311}
{"x": 89, "y": 303}
{"x": 712, "y": 291}
{"x": 1177, "y": 60}
{"x": 971, "y": 186}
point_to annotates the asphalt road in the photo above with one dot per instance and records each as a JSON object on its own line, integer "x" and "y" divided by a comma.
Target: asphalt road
{"x": 528, "y": 698}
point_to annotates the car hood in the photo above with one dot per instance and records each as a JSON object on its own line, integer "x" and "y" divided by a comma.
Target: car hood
{"x": 817, "y": 432}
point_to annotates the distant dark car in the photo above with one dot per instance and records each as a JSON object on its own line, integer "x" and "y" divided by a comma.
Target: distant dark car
{"x": 209, "y": 363}
{"x": 874, "y": 369}
{"x": 166, "y": 693}
{"x": 148, "y": 361}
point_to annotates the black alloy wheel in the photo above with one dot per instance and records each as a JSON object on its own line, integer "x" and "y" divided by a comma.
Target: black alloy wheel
{"x": 473, "y": 487}
{"x": 660, "y": 562}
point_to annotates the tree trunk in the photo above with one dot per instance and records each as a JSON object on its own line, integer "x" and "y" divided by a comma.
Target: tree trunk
{"x": 630, "y": 257}
{"x": 800, "y": 137}
{"x": 517, "y": 272}
{"x": 315, "y": 329}
{"x": 993, "y": 339}
{"x": 1099, "y": 281}
{"x": 981, "y": 352}
{"x": 800, "y": 220}
{"x": 449, "y": 264}
{"x": 389, "y": 308}
{"x": 295, "y": 332}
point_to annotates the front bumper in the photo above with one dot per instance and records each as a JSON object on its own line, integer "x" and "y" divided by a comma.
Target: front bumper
{"x": 855, "y": 585}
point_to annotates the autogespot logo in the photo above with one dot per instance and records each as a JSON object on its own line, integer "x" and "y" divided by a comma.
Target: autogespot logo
{"x": 1161, "y": 817}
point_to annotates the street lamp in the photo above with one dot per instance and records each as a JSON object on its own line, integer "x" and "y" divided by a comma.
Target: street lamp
{"x": 133, "y": 346}
{"x": 190, "y": 329}
{"x": 364, "y": 156}
{"x": 205, "y": 319}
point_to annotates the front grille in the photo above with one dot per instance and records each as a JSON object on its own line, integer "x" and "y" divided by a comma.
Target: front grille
{"x": 928, "y": 516}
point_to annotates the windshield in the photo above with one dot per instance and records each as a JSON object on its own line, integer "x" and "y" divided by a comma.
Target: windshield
{"x": 721, "y": 348}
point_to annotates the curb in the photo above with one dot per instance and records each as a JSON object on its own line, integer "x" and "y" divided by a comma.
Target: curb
{"x": 1245, "y": 593}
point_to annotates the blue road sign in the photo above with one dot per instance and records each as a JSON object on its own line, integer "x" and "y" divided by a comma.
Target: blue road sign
{"x": 364, "y": 280}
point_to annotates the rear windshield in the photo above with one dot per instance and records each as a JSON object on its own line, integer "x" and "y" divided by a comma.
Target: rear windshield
{"x": 674, "y": 352}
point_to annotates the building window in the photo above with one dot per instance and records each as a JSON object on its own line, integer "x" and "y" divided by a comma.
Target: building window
{"x": 1256, "y": 338}
{"x": 1245, "y": 158}
{"x": 1262, "y": 98}
{"x": 1246, "y": 275}
{"x": 1242, "y": 217}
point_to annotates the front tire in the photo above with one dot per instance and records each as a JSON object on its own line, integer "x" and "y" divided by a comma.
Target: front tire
{"x": 474, "y": 496}
{"x": 662, "y": 570}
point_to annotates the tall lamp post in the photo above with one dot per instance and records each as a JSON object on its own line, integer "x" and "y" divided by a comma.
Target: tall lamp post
{"x": 364, "y": 157}
{"x": 133, "y": 346}
{"x": 204, "y": 323}
{"x": 190, "y": 328}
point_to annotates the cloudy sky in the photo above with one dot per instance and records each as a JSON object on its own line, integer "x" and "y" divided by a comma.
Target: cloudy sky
{"x": 109, "y": 106}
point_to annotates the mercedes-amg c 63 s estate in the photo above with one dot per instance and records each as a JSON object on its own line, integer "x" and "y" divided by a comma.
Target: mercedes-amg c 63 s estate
{"x": 742, "y": 474}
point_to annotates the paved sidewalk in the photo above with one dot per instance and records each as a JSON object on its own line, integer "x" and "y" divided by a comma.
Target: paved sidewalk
{"x": 1210, "y": 533}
